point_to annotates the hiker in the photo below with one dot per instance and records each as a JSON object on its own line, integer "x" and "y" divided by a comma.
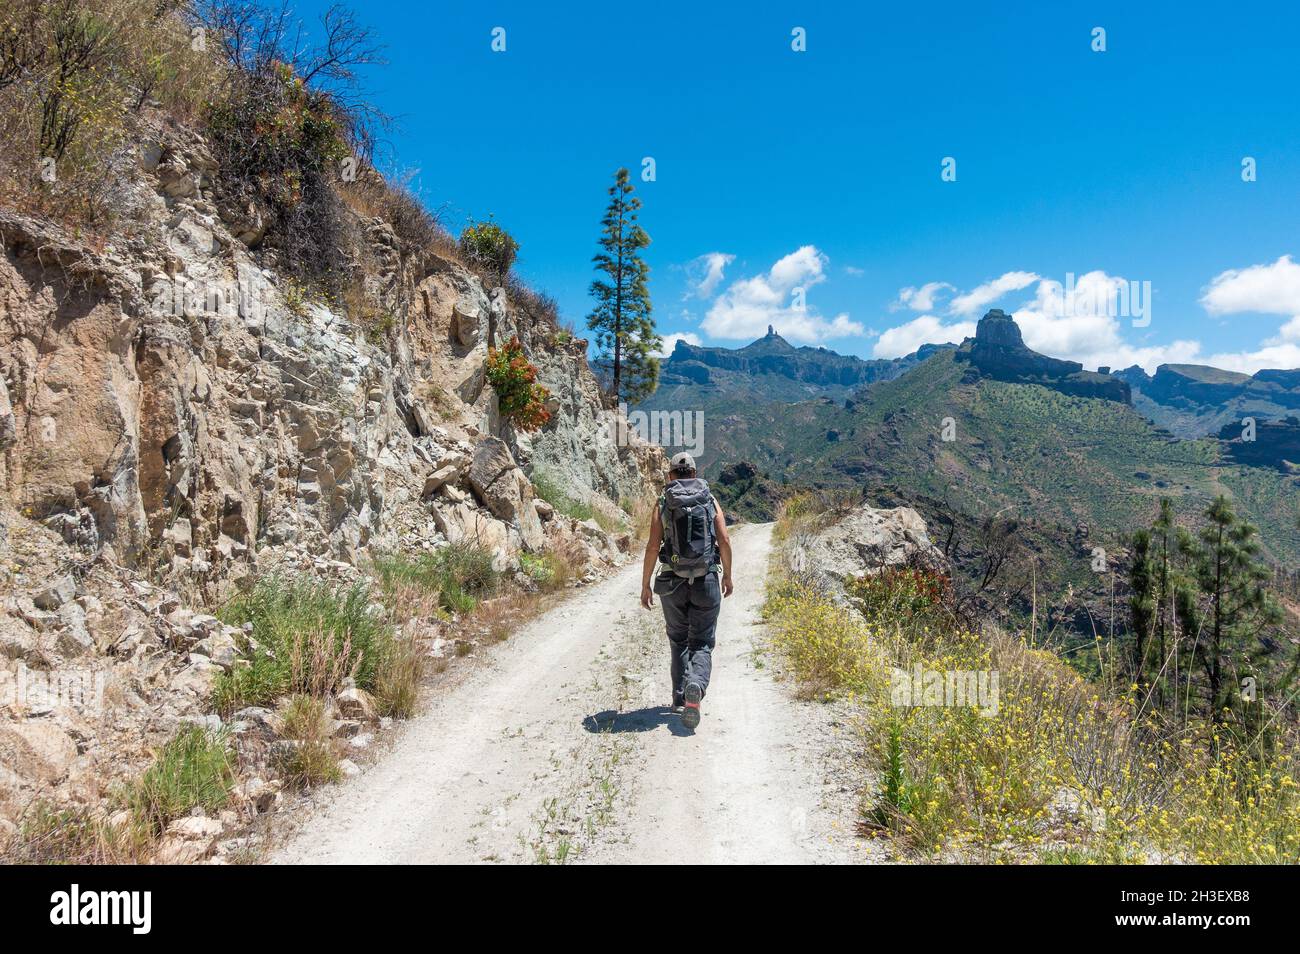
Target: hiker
{"x": 688, "y": 536}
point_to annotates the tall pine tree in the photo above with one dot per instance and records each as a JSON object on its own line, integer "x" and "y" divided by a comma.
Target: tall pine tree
{"x": 1229, "y": 622}
{"x": 625, "y": 331}
{"x": 1154, "y": 582}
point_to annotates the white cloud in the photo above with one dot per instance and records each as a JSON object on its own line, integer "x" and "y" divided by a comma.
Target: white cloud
{"x": 1272, "y": 289}
{"x": 1076, "y": 324}
{"x": 705, "y": 274}
{"x": 854, "y": 271}
{"x": 927, "y": 329}
{"x": 749, "y": 305}
{"x": 974, "y": 300}
{"x": 1081, "y": 324}
{"x": 670, "y": 342}
{"x": 920, "y": 299}
{"x": 1274, "y": 355}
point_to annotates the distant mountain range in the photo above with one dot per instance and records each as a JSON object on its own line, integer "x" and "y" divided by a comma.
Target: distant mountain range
{"x": 1192, "y": 400}
{"x": 771, "y": 369}
{"x": 1079, "y": 454}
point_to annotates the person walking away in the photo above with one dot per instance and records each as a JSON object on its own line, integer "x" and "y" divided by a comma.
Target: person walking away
{"x": 689, "y": 541}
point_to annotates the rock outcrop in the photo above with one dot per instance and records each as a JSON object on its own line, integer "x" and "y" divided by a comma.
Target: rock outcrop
{"x": 1272, "y": 444}
{"x": 998, "y": 351}
{"x": 175, "y": 417}
{"x": 865, "y": 541}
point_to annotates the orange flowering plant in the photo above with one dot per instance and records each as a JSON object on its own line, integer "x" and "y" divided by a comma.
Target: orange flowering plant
{"x": 521, "y": 399}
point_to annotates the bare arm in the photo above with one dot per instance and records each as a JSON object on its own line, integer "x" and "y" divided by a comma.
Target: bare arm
{"x": 724, "y": 546}
{"x": 651, "y": 558}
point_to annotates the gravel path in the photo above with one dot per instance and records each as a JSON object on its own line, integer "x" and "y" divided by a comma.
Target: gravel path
{"x": 561, "y": 748}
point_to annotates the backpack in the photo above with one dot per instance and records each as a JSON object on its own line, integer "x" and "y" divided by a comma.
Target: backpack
{"x": 686, "y": 510}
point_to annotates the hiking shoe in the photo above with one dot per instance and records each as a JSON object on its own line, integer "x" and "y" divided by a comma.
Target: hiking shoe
{"x": 691, "y": 710}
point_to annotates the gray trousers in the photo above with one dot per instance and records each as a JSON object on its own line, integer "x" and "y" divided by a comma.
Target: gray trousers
{"x": 691, "y": 615}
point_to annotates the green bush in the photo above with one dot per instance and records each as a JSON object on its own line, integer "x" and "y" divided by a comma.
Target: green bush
{"x": 489, "y": 246}
{"x": 547, "y": 570}
{"x": 307, "y": 637}
{"x": 196, "y": 769}
{"x": 549, "y": 489}
{"x": 459, "y": 575}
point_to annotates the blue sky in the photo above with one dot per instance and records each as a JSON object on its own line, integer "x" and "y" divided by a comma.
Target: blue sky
{"x": 821, "y": 170}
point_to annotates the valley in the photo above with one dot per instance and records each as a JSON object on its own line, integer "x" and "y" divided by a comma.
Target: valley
{"x": 1035, "y": 451}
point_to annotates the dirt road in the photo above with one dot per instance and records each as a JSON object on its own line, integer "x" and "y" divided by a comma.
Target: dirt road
{"x": 563, "y": 748}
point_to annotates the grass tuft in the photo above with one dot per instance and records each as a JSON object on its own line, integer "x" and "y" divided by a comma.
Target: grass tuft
{"x": 307, "y": 637}
{"x": 195, "y": 769}
{"x": 312, "y": 761}
{"x": 454, "y": 579}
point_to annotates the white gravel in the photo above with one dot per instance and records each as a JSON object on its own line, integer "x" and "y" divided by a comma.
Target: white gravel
{"x": 561, "y": 748}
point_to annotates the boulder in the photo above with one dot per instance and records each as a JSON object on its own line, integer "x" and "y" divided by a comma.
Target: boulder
{"x": 505, "y": 489}
{"x": 356, "y": 703}
{"x": 37, "y": 749}
{"x": 460, "y": 522}
{"x": 198, "y": 677}
{"x": 448, "y": 472}
{"x": 73, "y": 636}
{"x": 195, "y": 827}
{"x": 867, "y": 540}
{"x": 178, "y": 850}
{"x": 466, "y": 316}
{"x": 54, "y": 594}
{"x": 221, "y": 647}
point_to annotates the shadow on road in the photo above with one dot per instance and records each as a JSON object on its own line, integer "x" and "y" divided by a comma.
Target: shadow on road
{"x": 637, "y": 720}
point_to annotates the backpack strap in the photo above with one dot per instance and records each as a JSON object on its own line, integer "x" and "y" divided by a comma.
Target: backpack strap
{"x": 668, "y": 545}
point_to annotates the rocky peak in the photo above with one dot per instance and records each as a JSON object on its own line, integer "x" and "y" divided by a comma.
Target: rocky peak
{"x": 998, "y": 329}
{"x": 998, "y": 351}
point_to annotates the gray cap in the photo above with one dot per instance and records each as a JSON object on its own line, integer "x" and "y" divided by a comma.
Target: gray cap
{"x": 682, "y": 461}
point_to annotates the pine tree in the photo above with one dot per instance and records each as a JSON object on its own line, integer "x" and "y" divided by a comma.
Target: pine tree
{"x": 625, "y": 331}
{"x": 1234, "y": 611}
{"x": 1142, "y": 603}
{"x": 1166, "y": 581}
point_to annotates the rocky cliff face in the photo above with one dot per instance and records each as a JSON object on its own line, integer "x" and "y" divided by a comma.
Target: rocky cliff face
{"x": 175, "y": 417}
{"x": 1273, "y": 443}
{"x": 998, "y": 351}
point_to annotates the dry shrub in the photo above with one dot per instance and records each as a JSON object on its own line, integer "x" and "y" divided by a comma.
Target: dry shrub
{"x": 49, "y": 835}
{"x": 397, "y": 688}
{"x": 305, "y": 721}
{"x": 74, "y": 76}
{"x": 320, "y": 664}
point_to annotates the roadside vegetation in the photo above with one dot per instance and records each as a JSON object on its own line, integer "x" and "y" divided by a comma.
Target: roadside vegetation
{"x": 550, "y": 489}
{"x": 453, "y": 580}
{"x": 195, "y": 769}
{"x": 307, "y": 637}
{"x": 1066, "y": 770}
